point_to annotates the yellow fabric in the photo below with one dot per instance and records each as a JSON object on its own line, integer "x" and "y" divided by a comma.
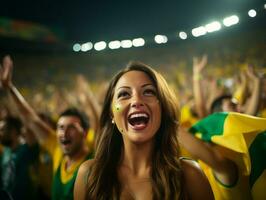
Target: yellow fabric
{"x": 90, "y": 139}
{"x": 239, "y": 191}
{"x": 262, "y": 113}
{"x": 239, "y": 95}
{"x": 239, "y": 132}
{"x": 52, "y": 146}
{"x": 187, "y": 119}
{"x": 66, "y": 175}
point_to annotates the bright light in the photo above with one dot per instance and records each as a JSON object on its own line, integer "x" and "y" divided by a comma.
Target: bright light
{"x": 114, "y": 44}
{"x": 264, "y": 6}
{"x": 100, "y": 46}
{"x": 252, "y": 13}
{"x": 159, "y": 39}
{"x": 76, "y": 47}
{"x": 183, "y": 35}
{"x": 86, "y": 46}
{"x": 138, "y": 42}
{"x": 214, "y": 26}
{"x": 229, "y": 21}
{"x": 199, "y": 31}
{"x": 126, "y": 43}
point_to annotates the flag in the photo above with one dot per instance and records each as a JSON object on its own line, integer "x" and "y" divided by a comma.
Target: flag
{"x": 243, "y": 138}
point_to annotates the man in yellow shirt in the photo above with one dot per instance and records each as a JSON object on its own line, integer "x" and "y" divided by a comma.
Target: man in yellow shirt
{"x": 67, "y": 145}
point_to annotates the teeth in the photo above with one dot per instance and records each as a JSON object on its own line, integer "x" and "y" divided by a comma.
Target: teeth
{"x": 138, "y": 115}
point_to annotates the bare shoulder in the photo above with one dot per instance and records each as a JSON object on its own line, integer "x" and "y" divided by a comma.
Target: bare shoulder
{"x": 87, "y": 164}
{"x": 81, "y": 180}
{"x": 196, "y": 183}
{"x": 190, "y": 166}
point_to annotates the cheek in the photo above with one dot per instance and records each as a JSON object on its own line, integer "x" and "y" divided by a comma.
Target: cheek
{"x": 118, "y": 109}
{"x": 157, "y": 112}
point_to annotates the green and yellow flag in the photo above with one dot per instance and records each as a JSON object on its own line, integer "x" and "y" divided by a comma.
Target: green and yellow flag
{"x": 243, "y": 138}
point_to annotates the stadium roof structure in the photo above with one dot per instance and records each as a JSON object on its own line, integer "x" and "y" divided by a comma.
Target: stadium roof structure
{"x": 38, "y": 24}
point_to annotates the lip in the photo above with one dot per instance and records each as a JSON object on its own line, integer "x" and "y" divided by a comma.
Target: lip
{"x": 138, "y": 127}
{"x": 138, "y": 112}
{"x": 65, "y": 142}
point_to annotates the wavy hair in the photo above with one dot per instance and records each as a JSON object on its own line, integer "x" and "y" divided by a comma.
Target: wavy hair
{"x": 165, "y": 174}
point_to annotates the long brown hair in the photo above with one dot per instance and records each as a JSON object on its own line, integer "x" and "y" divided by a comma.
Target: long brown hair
{"x": 103, "y": 180}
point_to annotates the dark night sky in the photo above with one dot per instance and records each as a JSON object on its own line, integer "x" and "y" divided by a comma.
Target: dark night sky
{"x": 119, "y": 19}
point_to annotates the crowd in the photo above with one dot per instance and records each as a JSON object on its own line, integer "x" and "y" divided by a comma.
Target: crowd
{"x": 200, "y": 136}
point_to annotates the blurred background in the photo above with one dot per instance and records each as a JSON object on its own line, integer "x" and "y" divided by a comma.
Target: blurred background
{"x": 53, "y": 41}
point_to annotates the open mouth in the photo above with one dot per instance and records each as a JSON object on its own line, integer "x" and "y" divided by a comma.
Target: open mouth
{"x": 138, "y": 120}
{"x": 65, "y": 141}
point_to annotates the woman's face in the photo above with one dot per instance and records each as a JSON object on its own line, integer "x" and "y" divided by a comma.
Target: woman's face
{"x": 136, "y": 108}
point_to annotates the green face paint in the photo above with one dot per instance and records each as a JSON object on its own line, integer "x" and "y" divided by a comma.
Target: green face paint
{"x": 116, "y": 108}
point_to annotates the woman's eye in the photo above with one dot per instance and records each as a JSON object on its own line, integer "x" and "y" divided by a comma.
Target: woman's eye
{"x": 150, "y": 92}
{"x": 123, "y": 94}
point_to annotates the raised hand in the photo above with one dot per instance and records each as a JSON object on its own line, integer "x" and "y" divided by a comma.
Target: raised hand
{"x": 6, "y": 72}
{"x": 199, "y": 63}
{"x": 251, "y": 73}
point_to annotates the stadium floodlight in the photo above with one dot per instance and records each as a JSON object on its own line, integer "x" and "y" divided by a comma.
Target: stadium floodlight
{"x": 182, "y": 35}
{"x": 126, "y": 43}
{"x": 114, "y": 44}
{"x": 213, "y": 26}
{"x": 199, "y": 31}
{"x": 76, "y": 47}
{"x": 232, "y": 20}
{"x": 138, "y": 42}
{"x": 86, "y": 46}
{"x": 99, "y": 46}
{"x": 160, "y": 39}
{"x": 252, "y": 13}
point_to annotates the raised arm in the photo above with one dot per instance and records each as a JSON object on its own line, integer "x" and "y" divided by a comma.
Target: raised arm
{"x": 88, "y": 101}
{"x": 25, "y": 111}
{"x": 200, "y": 103}
{"x": 225, "y": 170}
{"x": 254, "y": 100}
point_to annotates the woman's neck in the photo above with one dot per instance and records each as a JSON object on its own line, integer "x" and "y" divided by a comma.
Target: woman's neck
{"x": 136, "y": 159}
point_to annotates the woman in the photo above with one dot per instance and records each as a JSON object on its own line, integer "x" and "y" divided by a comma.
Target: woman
{"x": 137, "y": 151}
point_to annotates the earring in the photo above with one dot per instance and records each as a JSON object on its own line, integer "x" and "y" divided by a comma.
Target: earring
{"x": 113, "y": 121}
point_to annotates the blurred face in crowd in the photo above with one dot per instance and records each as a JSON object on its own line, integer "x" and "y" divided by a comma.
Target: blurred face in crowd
{"x": 135, "y": 107}
{"x": 70, "y": 134}
{"x": 5, "y": 134}
{"x": 229, "y": 106}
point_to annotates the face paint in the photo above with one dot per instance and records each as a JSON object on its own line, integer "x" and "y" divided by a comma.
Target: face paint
{"x": 117, "y": 108}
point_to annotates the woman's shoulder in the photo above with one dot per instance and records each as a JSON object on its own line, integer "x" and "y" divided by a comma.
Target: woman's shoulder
{"x": 86, "y": 166}
{"x": 87, "y": 163}
{"x": 82, "y": 179}
{"x": 196, "y": 183}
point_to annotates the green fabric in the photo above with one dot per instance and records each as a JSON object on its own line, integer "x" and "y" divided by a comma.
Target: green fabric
{"x": 61, "y": 191}
{"x": 245, "y": 128}
{"x": 210, "y": 126}
{"x": 257, "y": 151}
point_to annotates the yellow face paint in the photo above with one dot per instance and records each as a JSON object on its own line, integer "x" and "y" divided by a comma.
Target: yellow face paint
{"x": 117, "y": 108}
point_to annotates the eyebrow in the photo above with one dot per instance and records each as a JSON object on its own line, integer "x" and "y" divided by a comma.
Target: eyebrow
{"x": 127, "y": 87}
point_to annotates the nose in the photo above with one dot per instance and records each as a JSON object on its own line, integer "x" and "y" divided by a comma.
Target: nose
{"x": 137, "y": 101}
